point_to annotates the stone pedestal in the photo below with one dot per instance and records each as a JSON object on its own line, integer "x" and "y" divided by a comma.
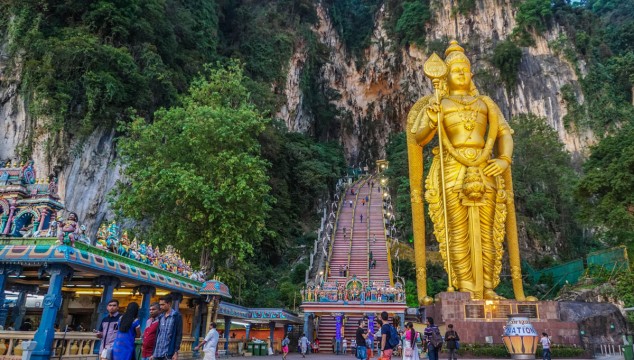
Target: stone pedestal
{"x": 481, "y": 321}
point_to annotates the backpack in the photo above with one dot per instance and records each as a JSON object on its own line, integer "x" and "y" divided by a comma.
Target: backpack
{"x": 436, "y": 339}
{"x": 394, "y": 339}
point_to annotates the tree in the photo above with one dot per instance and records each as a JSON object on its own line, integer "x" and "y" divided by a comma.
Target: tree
{"x": 543, "y": 181}
{"x": 605, "y": 190}
{"x": 195, "y": 175}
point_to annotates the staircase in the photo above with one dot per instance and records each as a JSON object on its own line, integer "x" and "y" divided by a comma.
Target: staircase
{"x": 360, "y": 230}
{"x": 353, "y": 241}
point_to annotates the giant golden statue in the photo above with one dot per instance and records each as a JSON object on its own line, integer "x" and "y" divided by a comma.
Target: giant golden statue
{"x": 469, "y": 187}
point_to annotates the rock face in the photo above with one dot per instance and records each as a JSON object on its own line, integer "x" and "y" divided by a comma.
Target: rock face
{"x": 375, "y": 98}
{"x": 601, "y": 323}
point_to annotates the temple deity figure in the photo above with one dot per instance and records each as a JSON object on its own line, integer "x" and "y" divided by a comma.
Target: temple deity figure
{"x": 469, "y": 186}
{"x": 69, "y": 230}
{"x": 102, "y": 235}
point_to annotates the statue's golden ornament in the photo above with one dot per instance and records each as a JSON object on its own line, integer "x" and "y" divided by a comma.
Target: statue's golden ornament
{"x": 434, "y": 67}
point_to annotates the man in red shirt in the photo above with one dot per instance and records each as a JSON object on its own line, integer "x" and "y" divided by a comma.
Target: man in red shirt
{"x": 149, "y": 335}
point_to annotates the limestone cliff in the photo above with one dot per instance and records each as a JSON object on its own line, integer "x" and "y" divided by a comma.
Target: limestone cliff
{"x": 380, "y": 92}
{"x": 375, "y": 96}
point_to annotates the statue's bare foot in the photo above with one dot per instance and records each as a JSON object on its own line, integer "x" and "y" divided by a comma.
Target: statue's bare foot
{"x": 491, "y": 295}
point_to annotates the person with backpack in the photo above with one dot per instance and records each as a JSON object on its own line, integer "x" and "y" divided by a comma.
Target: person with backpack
{"x": 545, "y": 340}
{"x": 285, "y": 344}
{"x": 389, "y": 338}
{"x": 433, "y": 339}
{"x": 452, "y": 338}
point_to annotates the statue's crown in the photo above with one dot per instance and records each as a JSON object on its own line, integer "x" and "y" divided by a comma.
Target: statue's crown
{"x": 455, "y": 54}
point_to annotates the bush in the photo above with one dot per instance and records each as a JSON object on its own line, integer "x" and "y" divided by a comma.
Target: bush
{"x": 410, "y": 26}
{"x": 507, "y": 57}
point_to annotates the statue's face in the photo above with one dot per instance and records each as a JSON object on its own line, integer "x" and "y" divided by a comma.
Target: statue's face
{"x": 459, "y": 76}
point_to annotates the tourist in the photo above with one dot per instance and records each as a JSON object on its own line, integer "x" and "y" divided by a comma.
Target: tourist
{"x": 210, "y": 343}
{"x": 108, "y": 329}
{"x": 149, "y": 334}
{"x": 374, "y": 238}
{"x": 410, "y": 351}
{"x": 433, "y": 339}
{"x": 129, "y": 329}
{"x": 452, "y": 338}
{"x": 316, "y": 345}
{"x": 363, "y": 202}
{"x": 303, "y": 343}
{"x": 371, "y": 255}
{"x": 545, "y": 340}
{"x": 378, "y": 337}
{"x": 361, "y": 336}
{"x": 334, "y": 344}
{"x": 374, "y": 264}
{"x": 387, "y": 344}
{"x": 350, "y": 203}
{"x": 170, "y": 331}
{"x": 361, "y": 217}
{"x": 341, "y": 270}
{"x": 344, "y": 345}
{"x": 285, "y": 343}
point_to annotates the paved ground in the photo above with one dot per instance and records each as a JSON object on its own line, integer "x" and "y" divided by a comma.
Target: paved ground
{"x": 295, "y": 356}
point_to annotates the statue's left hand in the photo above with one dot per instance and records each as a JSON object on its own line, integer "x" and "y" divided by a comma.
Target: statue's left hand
{"x": 496, "y": 167}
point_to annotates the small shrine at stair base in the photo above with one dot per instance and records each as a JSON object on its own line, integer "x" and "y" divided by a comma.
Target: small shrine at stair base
{"x": 55, "y": 282}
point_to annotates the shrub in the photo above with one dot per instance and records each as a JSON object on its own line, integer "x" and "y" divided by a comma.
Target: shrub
{"x": 507, "y": 57}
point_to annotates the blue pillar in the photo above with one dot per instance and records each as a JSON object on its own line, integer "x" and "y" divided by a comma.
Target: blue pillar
{"x": 51, "y": 304}
{"x": 144, "y": 311}
{"x": 176, "y": 300}
{"x": 5, "y": 271}
{"x": 371, "y": 328}
{"x": 198, "y": 318}
{"x": 19, "y": 310}
{"x": 306, "y": 322}
{"x": 248, "y": 334}
{"x": 339, "y": 319}
{"x": 227, "y": 331}
{"x": 272, "y": 332}
{"x": 109, "y": 283}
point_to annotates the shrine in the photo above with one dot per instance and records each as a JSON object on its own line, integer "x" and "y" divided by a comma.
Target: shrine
{"x": 55, "y": 282}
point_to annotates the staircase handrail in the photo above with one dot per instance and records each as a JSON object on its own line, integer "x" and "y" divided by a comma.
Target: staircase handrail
{"x": 342, "y": 198}
{"x": 368, "y": 232}
{"x": 387, "y": 243}
{"x": 361, "y": 181}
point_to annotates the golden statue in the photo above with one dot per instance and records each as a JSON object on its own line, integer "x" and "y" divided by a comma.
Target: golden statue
{"x": 469, "y": 187}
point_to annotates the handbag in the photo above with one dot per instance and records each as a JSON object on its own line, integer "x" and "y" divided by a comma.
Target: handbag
{"x": 457, "y": 344}
{"x": 409, "y": 352}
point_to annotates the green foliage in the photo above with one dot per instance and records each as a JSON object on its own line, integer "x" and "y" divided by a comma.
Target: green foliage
{"x": 318, "y": 96}
{"x": 464, "y": 7}
{"x": 532, "y": 15}
{"x": 544, "y": 181}
{"x": 604, "y": 192}
{"x": 354, "y": 22}
{"x": 204, "y": 187}
{"x": 410, "y": 27}
{"x": 507, "y": 57}
{"x": 84, "y": 64}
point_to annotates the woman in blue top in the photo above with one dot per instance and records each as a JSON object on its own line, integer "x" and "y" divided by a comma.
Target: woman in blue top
{"x": 129, "y": 329}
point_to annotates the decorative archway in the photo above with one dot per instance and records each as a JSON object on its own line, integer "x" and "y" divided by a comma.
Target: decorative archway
{"x": 24, "y": 218}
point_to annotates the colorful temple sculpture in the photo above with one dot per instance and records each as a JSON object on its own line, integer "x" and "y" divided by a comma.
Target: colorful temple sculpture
{"x": 55, "y": 282}
{"x": 28, "y": 205}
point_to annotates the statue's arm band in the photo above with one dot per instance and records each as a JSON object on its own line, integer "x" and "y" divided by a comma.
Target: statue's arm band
{"x": 506, "y": 158}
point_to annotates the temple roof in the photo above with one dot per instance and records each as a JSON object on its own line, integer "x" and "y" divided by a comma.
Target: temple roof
{"x": 215, "y": 287}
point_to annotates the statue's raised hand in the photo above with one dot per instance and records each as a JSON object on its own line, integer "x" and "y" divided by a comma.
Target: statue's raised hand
{"x": 496, "y": 167}
{"x": 433, "y": 109}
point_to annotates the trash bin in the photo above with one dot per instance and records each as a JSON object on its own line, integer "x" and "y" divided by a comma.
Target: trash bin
{"x": 263, "y": 349}
{"x": 251, "y": 348}
{"x": 626, "y": 348}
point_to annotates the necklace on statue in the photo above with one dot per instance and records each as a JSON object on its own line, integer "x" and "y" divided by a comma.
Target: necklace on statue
{"x": 468, "y": 113}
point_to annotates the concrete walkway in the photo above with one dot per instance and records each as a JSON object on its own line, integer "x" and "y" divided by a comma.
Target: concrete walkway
{"x": 296, "y": 356}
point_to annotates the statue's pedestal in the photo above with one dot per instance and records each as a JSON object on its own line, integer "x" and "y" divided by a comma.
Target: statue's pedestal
{"x": 482, "y": 321}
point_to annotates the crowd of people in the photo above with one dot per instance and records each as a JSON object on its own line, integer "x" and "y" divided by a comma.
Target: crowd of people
{"x": 161, "y": 339}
